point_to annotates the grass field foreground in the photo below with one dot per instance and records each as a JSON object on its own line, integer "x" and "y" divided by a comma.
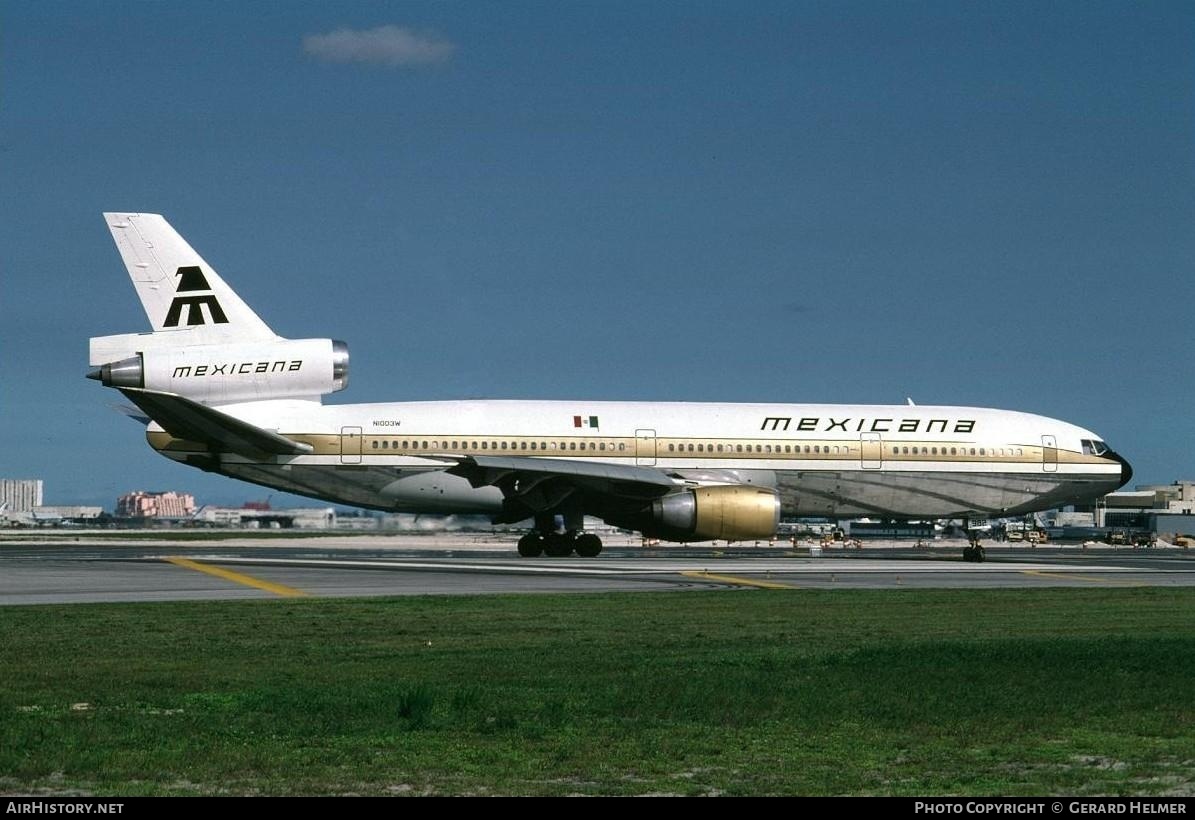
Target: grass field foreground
{"x": 1067, "y": 691}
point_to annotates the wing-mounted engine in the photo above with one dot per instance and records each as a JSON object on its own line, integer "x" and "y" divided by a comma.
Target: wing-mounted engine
{"x": 734, "y": 512}
{"x": 227, "y": 373}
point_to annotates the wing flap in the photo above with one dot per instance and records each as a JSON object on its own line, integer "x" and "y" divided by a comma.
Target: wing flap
{"x": 519, "y": 475}
{"x": 190, "y": 420}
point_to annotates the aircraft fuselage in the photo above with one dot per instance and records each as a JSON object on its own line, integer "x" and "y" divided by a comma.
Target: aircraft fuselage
{"x": 897, "y": 461}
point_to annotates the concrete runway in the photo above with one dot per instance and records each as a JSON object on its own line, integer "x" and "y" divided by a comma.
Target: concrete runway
{"x": 87, "y": 570}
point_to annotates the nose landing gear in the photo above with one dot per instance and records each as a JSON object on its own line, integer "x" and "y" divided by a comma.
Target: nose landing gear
{"x": 974, "y": 551}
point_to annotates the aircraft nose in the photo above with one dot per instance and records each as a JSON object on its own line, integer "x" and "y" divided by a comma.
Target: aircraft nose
{"x": 1126, "y": 469}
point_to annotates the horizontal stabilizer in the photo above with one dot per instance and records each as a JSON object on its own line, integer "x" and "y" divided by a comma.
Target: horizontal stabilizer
{"x": 190, "y": 420}
{"x": 134, "y": 413}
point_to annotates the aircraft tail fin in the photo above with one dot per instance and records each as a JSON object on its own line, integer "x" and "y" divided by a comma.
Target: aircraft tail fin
{"x": 180, "y": 292}
{"x": 207, "y": 345}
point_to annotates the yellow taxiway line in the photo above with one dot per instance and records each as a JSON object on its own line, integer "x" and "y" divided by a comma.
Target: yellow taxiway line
{"x": 1117, "y": 582}
{"x": 237, "y": 577}
{"x": 736, "y": 580}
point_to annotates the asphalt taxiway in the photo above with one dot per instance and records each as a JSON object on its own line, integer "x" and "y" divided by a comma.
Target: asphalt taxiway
{"x": 86, "y": 570}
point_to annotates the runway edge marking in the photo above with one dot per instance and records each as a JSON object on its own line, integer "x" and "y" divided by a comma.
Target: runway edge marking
{"x": 237, "y": 577}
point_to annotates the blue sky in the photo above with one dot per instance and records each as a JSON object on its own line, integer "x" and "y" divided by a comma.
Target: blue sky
{"x": 966, "y": 203}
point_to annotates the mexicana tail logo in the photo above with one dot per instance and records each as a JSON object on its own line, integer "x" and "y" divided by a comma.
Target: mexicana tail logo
{"x": 192, "y": 282}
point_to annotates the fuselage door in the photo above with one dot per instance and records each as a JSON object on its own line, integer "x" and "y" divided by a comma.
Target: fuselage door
{"x": 350, "y": 445}
{"x": 1049, "y": 454}
{"x": 871, "y": 452}
{"x": 645, "y": 448}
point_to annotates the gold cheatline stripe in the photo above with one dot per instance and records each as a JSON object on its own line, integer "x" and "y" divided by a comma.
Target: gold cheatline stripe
{"x": 1113, "y": 581}
{"x": 736, "y": 580}
{"x": 238, "y": 578}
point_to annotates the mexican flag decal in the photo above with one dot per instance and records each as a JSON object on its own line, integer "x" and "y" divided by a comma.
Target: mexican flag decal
{"x": 585, "y": 421}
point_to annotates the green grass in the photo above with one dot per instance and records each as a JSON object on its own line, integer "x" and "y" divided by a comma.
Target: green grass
{"x": 750, "y": 692}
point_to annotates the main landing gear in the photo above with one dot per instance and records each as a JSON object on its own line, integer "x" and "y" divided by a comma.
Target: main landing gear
{"x": 556, "y": 541}
{"x": 559, "y": 544}
{"x": 974, "y": 551}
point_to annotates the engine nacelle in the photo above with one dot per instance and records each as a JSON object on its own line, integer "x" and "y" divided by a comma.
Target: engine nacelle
{"x": 226, "y": 373}
{"x": 734, "y": 512}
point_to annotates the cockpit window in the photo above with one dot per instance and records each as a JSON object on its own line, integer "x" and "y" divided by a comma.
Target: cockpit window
{"x": 1092, "y": 447}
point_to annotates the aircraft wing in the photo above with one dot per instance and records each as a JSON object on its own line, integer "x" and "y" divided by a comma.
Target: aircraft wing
{"x": 190, "y": 420}
{"x": 532, "y": 485}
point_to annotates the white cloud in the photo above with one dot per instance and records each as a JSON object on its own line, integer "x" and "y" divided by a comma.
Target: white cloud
{"x": 385, "y": 45}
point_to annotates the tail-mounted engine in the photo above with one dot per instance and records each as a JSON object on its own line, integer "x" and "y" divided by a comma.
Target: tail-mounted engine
{"x": 734, "y": 512}
{"x": 243, "y": 371}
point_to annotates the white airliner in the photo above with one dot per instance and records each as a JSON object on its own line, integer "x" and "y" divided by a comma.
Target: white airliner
{"x": 224, "y": 393}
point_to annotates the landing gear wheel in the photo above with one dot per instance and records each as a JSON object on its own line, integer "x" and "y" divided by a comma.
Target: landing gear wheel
{"x": 557, "y": 545}
{"x": 588, "y": 546}
{"x": 969, "y": 554}
{"x": 980, "y": 555}
{"x": 531, "y": 545}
